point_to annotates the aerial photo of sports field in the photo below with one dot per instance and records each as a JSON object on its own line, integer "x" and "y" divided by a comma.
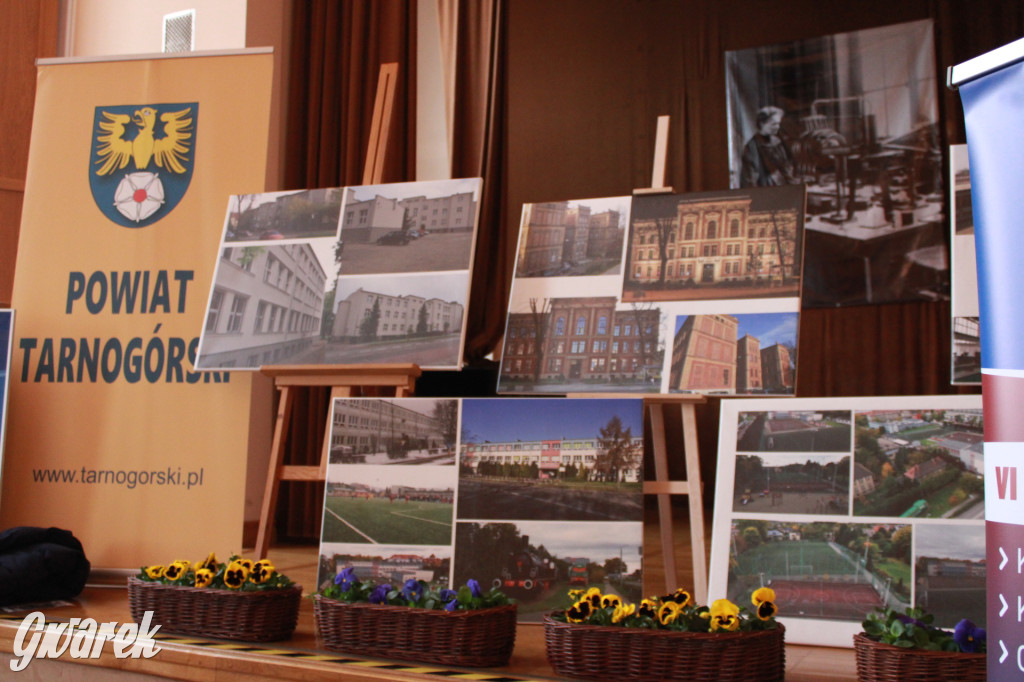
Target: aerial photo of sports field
{"x": 805, "y": 431}
{"x": 831, "y": 571}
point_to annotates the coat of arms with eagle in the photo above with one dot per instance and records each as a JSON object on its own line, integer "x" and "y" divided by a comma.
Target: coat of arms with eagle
{"x": 142, "y": 160}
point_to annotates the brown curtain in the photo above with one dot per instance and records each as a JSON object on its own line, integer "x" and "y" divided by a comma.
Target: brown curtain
{"x": 478, "y": 114}
{"x": 337, "y": 49}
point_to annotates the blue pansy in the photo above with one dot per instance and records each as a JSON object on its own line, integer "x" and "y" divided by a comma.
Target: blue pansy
{"x": 380, "y": 594}
{"x": 345, "y": 578}
{"x": 412, "y": 590}
{"x": 969, "y": 636}
{"x": 474, "y": 588}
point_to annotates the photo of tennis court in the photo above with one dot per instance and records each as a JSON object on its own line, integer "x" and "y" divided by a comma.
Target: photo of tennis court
{"x": 831, "y": 571}
{"x": 389, "y": 505}
{"x": 794, "y": 432}
{"x": 795, "y": 484}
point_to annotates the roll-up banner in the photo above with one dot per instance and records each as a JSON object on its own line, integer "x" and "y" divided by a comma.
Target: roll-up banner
{"x": 992, "y": 91}
{"x": 112, "y": 433}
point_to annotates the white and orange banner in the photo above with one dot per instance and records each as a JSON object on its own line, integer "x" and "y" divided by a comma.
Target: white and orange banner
{"x": 112, "y": 434}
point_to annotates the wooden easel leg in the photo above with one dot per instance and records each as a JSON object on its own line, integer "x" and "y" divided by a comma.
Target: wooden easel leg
{"x": 696, "y": 494}
{"x": 284, "y": 413}
{"x": 664, "y": 499}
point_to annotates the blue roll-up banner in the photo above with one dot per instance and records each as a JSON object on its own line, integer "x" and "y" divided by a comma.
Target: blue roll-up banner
{"x": 992, "y": 91}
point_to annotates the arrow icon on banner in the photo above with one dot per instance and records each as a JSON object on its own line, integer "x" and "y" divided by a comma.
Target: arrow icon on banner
{"x": 1005, "y": 652}
{"x": 1005, "y": 605}
{"x": 1005, "y": 558}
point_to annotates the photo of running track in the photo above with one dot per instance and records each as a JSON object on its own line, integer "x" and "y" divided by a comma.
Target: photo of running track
{"x": 832, "y": 571}
{"x": 389, "y": 505}
{"x": 794, "y": 431}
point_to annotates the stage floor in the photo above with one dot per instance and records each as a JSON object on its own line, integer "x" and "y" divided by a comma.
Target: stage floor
{"x": 301, "y": 658}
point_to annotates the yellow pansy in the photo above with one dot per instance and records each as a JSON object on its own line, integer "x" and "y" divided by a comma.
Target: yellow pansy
{"x": 593, "y": 595}
{"x": 668, "y": 612}
{"x": 154, "y": 572}
{"x": 262, "y": 570}
{"x": 622, "y": 611}
{"x": 680, "y": 596}
{"x": 176, "y": 570}
{"x": 649, "y": 608}
{"x": 610, "y": 601}
{"x": 204, "y": 577}
{"x": 762, "y": 594}
{"x": 579, "y": 612}
{"x": 236, "y": 574}
{"x": 724, "y": 615}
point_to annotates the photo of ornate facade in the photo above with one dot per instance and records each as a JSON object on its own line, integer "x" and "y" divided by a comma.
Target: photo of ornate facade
{"x": 712, "y": 246}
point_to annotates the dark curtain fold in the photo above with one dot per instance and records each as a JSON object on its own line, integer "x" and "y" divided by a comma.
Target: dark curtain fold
{"x": 478, "y": 149}
{"x": 337, "y": 49}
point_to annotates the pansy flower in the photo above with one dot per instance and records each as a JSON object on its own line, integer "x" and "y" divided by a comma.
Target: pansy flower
{"x": 246, "y": 562}
{"x": 474, "y": 588}
{"x": 412, "y": 590}
{"x": 762, "y": 594}
{"x": 648, "y": 607}
{"x": 380, "y": 594}
{"x": 345, "y": 578}
{"x": 262, "y": 571}
{"x": 579, "y": 612}
{"x": 154, "y": 572}
{"x": 622, "y": 611}
{"x": 236, "y": 574}
{"x": 724, "y": 615}
{"x": 668, "y": 612}
{"x": 204, "y": 577}
{"x": 766, "y": 610}
{"x": 176, "y": 570}
{"x": 575, "y": 594}
{"x": 680, "y": 596}
{"x": 209, "y": 562}
{"x": 611, "y": 601}
{"x": 968, "y": 636}
{"x": 593, "y": 595}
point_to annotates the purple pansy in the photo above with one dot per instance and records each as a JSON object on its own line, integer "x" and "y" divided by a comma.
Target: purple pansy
{"x": 968, "y": 636}
{"x": 345, "y": 578}
{"x": 380, "y": 594}
{"x": 474, "y": 588}
{"x": 412, "y": 590}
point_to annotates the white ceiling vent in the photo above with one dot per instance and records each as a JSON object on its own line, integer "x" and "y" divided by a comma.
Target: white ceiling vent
{"x": 179, "y": 31}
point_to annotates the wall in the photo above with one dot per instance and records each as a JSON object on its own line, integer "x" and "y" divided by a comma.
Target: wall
{"x": 110, "y": 27}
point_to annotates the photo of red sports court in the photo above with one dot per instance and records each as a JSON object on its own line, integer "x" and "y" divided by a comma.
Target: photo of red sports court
{"x": 794, "y": 431}
{"x": 822, "y": 570}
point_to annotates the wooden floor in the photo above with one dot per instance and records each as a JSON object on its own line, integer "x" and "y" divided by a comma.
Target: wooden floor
{"x": 301, "y": 658}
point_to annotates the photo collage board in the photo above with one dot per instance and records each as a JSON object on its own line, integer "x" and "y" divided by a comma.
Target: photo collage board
{"x": 657, "y": 293}
{"x": 965, "y": 365}
{"x": 846, "y": 505}
{"x": 532, "y": 496}
{"x": 343, "y": 275}
{"x": 854, "y": 118}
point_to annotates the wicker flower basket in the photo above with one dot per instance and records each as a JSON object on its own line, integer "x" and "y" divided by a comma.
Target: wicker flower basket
{"x": 478, "y": 638}
{"x": 256, "y": 616}
{"x": 595, "y": 652}
{"x": 878, "y": 662}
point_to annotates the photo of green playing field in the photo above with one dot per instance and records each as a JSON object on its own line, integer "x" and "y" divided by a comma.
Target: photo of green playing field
{"x": 389, "y": 505}
{"x": 384, "y": 520}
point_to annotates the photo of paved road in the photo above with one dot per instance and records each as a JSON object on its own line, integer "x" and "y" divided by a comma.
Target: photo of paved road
{"x": 434, "y": 252}
{"x": 533, "y": 500}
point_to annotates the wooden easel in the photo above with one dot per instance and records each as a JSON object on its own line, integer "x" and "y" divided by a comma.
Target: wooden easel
{"x": 396, "y": 380}
{"x": 661, "y": 486}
